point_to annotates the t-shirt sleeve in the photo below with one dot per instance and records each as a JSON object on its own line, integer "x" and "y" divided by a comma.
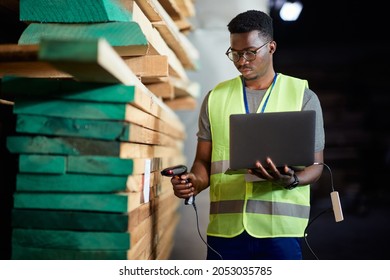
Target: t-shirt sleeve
{"x": 204, "y": 132}
{"x": 311, "y": 102}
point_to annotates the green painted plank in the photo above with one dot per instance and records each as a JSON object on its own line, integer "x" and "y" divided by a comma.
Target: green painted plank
{"x": 80, "y": 50}
{"x": 67, "y": 89}
{"x": 96, "y": 129}
{"x": 70, "y": 220}
{"x": 42, "y": 164}
{"x": 71, "y": 11}
{"x": 29, "y": 253}
{"x": 78, "y": 240}
{"x": 118, "y": 34}
{"x": 100, "y": 165}
{"x": 72, "y": 183}
{"x": 117, "y": 203}
{"x": 92, "y": 60}
{"x": 111, "y": 165}
{"x": 71, "y": 109}
{"x": 61, "y": 146}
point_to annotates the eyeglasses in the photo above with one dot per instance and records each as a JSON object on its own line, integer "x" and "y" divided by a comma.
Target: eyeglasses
{"x": 248, "y": 55}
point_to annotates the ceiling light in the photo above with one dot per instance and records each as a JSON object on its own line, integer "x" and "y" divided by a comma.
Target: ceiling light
{"x": 290, "y": 11}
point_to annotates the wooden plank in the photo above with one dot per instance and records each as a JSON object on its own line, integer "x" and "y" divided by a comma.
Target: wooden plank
{"x": 163, "y": 89}
{"x": 94, "y": 129}
{"x": 71, "y": 109}
{"x": 109, "y": 121}
{"x": 180, "y": 11}
{"x": 22, "y": 61}
{"x": 177, "y": 41}
{"x": 48, "y": 164}
{"x": 149, "y": 240}
{"x": 30, "y": 253}
{"x": 92, "y": 60}
{"x": 146, "y": 247}
{"x": 165, "y": 244}
{"x": 116, "y": 203}
{"x": 126, "y": 37}
{"x": 109, "y": 65}
{"x": 72, "y": 11}
{"x": 148, "y": 66}
{"x": 70, "y": 220}
{"x": 172, "y": 9}
{"x": 185, "y": 88}
{"x": 111, "y": 165}
{"x": 181, "y": 46}
{"x": 76, "y": 240}
{"x": 6, "y": 102}
{"x": 150, "y": 80}
{"x": 182, "y": 103}
{"x": 145, "y": 243}
{"x": 81, "y": 146}
{"x": 69, "y": 89}
{"x": 184, "y": 25}
{"x": 186, "y": 8}
{"x": 33, "y": 69}
{"x": 137, "y": 252}
{"x": 149, "y": 9}
{"x": 15, "y": 52}
{"x": 83, "y": 183}
{"x": 143, "y": 229}
{"x": 157, "y": 44}
{"x": 165, "y": 200}
{"x": 91, "y": 221}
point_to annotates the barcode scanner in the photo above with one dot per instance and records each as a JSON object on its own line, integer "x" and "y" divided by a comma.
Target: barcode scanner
{"x": 178, "y": 170}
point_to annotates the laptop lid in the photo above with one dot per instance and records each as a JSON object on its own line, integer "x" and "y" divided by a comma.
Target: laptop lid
{"x": 286, "y": 137}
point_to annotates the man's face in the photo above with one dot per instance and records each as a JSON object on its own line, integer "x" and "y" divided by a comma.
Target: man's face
{"x": 259, "y": 49}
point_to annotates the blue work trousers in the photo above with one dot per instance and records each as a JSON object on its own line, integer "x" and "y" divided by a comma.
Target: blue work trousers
{"x": 247, "y": 247}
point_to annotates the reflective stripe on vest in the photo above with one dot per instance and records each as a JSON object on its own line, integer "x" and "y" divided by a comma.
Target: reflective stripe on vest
{"x": 261, "y": 208}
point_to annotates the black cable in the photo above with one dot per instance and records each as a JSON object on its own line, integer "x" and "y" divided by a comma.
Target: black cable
{"x": 322, "y": 212}
{"x": 307, "y": 227}
{"x": 201, "y": 237}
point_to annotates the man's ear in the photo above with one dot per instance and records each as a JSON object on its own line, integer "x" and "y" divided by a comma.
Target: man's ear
{"x": 272, "y": 47}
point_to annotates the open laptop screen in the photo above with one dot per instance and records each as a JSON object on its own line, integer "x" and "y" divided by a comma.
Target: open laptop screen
{"x": 286, "y": 137}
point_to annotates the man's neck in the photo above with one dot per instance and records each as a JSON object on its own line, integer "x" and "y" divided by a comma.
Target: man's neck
{"x": 260, "y": 83}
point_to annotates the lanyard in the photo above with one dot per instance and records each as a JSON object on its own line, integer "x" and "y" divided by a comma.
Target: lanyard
{"x": 266, "y": 100}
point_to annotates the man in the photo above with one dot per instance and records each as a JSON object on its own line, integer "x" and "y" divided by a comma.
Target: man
{"x": 252, "y": 220}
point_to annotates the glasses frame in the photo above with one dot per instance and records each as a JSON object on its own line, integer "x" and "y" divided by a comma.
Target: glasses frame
{"x": 243, "y": 53}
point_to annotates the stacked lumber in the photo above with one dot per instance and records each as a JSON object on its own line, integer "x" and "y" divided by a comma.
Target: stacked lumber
{"x": 142, "y": 33}
{"x": 91, "y": 136}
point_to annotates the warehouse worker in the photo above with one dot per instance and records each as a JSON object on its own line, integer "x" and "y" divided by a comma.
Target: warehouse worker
{"x": 264, "y": 219}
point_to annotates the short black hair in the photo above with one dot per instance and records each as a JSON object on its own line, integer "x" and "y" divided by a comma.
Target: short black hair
{"x": 252, "y": 20}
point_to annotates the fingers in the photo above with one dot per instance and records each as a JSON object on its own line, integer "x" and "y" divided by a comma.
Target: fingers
{"x": 271, "y": 173}
{"x": 261, "y": 172}
{"x": 182, "y": 188}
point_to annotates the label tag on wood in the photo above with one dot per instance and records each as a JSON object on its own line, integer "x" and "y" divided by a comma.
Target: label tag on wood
{"x": 146, "y": 189}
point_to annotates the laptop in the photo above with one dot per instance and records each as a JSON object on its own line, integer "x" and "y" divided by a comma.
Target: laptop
{"x": 286, "y": 137}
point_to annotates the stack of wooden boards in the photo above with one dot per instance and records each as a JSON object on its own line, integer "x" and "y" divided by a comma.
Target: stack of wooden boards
{"x": 147, "y": 38}
{"x": 92, "y": 136}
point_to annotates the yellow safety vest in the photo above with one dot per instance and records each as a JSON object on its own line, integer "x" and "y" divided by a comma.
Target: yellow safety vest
{"x": 262, "y": 209}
